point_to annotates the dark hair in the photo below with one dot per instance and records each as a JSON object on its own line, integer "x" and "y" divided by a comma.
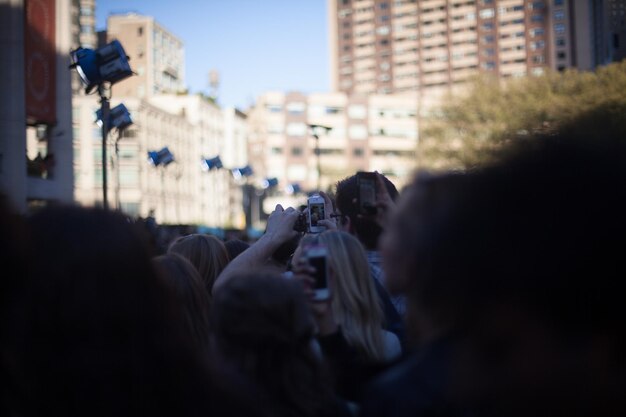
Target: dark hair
{"x": 235, "y": 246}
{"x": 346, "y": 196}
{"x": 183, "y": 280}
{"x": 96, "y": 332}
{"x": 263, "y": 325}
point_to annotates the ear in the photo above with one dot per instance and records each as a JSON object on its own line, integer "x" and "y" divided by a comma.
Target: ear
{"x": 345, "y": 225}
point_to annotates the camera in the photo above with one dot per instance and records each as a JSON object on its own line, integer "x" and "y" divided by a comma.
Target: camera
{"x": 301, "y": 224}
{"x": 366, "y": 184}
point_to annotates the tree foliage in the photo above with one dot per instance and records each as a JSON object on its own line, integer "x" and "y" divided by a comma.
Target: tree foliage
{"x": 471, "y": 129}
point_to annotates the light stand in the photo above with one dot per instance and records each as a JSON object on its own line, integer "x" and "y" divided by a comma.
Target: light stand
{"x": 317, "y": 151}
{"x": 105, "y": 108}
{"x": 107, "y": 64}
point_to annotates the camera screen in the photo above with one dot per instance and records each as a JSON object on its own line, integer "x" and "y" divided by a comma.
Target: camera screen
{"x": 316, "y": 212}
{"x": 319, "y": 263}
{"x": 367, "y": 190}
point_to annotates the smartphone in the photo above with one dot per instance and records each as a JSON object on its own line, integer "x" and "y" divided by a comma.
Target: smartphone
{"x": 317, "y": 212}
{"x": 366, "y": 184}
{"x": 317, "y": 257}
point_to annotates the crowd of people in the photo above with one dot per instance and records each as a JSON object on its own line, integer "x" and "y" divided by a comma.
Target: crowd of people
{"x": 496, "y": 291}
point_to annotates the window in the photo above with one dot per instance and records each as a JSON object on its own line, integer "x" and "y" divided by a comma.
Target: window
{"x": 538, "y": 59}
{"x": 561, "y": 55}
{"x": 140, "y": 31}
{"x": 274, "y": 108}
{"x": 536, "y": 32}
{"x": 537, "y": 18}
{"x": 357, "y": 132}
{"x": 489, "y": 52}
{"x": 358, "y": 152}
{"x": 486, "y": 13}
{"x": 487, "y": 26}
{"x": 559, "y": 15}
{"x": 488, "y": 39}
{"x": 537, "y": 5}
{"x": 296, "y": 107}
{"x": 296, "y": 129}
{"x": 558, "y": 2}
{"x": 560, "y": 41}
{"x": 559, "y": 28}
{"x": 296, "y": 151}
{"x": 276, "y": 150}
{"x": 489, "y": 65}
{"x": 537, "y": 45}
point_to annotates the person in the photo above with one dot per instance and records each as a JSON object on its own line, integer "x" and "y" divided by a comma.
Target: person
{"x": 514, "y": 273}
{"x": 262, "y": 325}
{"x": 234, "y": 247}
{"x": 278, "y": 232}
{"x": 184, "y": 281}
{"x": 368, "y": 229}
{"x": 206, "y": 252}
{"x": 351, "y": 333}
{"x": 94, "y": 331}
{"x": 354, "y": 301}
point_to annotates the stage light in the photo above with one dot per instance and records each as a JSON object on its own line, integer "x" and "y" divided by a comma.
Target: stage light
{"x": 212, "y": 163}
{"x": 242, "y": 172}
{"x": 163, "y": 157}
{"x": 269, "y": 183}
{"x": 106, "y": 64}
{"x": 119, "y": 117}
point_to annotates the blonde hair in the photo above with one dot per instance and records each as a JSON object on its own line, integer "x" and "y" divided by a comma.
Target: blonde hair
{"x": 206, "y": 252}
{"x": 355, "y": 302}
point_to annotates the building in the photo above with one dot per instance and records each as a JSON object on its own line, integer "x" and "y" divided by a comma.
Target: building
{"x": 83, "y": 33}
{"x": 35, "y": 109}
{"x": 352, "y": 133}
{"x": 156, "y": 55}
{"x": 425, "y": 46}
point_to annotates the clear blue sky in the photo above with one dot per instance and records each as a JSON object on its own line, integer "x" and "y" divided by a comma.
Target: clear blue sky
{"x": 256, "y": 45}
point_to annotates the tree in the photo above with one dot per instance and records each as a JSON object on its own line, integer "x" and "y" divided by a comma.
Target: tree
{"x": 471, "y": 129}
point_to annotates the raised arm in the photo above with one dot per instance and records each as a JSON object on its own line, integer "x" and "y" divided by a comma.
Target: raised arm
{"x": 279, "y": 230}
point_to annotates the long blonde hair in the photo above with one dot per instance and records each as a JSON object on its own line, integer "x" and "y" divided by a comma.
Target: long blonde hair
{"x": 206, "y": 252}
{"x": 355, "y": 303}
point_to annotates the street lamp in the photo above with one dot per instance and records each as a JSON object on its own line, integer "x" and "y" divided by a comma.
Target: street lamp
{"x": 105, "y": 65}
{"x": 315, "y": 132}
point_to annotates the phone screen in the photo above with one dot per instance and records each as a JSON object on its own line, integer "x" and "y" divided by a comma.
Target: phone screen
{"x": 319, "y": 263}
{"x": 367, "y": 192}
{"x": 316, "y": 212}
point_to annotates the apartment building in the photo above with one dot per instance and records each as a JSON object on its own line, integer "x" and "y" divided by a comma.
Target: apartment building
{"x": 396, "y": 46}
{"x": 354, "y": 132}
{"x": 156, "y": 55}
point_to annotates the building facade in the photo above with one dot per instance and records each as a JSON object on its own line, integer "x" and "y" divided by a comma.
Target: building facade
{"x": 156, "y": 55}
{"x": 396, "y": 46}
{"x": 35, "y": 110}
{"x": 351, "y": 133}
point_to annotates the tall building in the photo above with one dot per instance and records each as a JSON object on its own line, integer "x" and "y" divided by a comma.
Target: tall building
{"x": 395, "y": 46}
{"x": 156, "y": 55}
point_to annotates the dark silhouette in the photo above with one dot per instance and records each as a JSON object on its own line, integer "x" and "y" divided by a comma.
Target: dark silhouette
{"x": 94, "y": 330}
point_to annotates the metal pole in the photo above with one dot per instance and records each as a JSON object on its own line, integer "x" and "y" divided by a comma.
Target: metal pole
{"x": 117, "y": 172}
{"x": 105, "y": 107}
{"x": 317, "y": 153}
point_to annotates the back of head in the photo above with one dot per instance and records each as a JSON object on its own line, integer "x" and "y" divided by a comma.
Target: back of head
{"x": 355, "y": 302}
{"x": 526, "y": 254}
{"x": 206, "y": 252}
{"x": 234, "y": 247}
{"x": 95, "y": 330}
{"x": 263, "y": 325}
{"x": 183, "y": 280}
{"x": 346, "y": 196}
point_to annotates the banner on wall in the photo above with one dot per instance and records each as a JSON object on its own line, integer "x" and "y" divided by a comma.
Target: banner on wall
{"x": 40, "y": 61}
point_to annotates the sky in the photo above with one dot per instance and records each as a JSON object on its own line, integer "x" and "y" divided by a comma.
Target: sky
{"x": 256, "y": 45}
